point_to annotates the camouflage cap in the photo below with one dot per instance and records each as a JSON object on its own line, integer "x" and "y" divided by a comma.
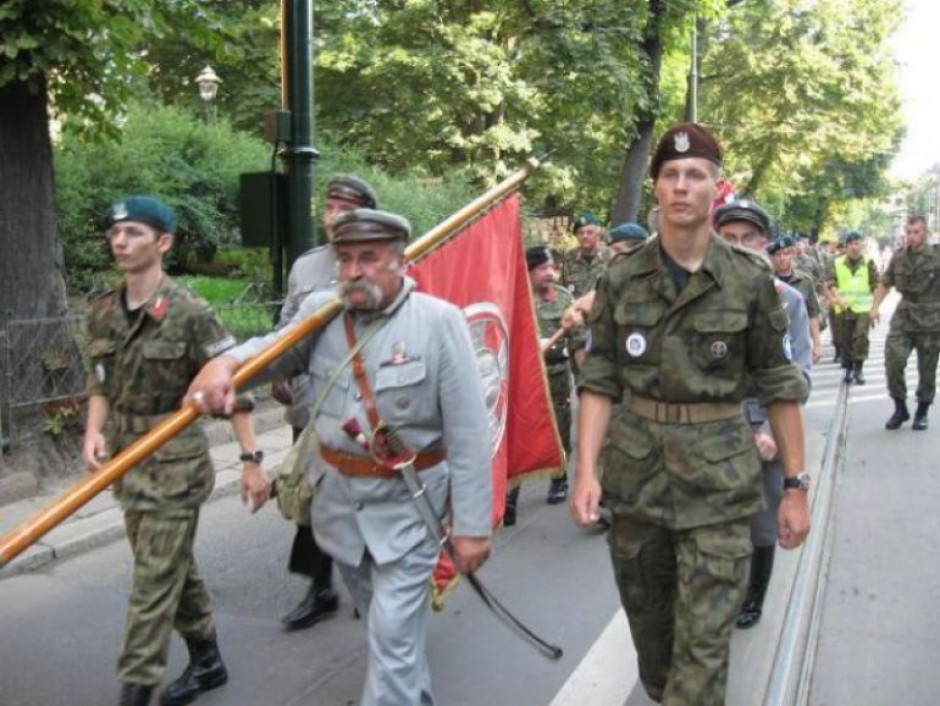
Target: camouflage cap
{"x": 364, "y": 224}
{"x": 141, "y": 209}
{"x": 627, "y": 232}
{"x": 537, "y": 255}
{"x": 682, "y": 141}
{"x": 585, "y": 219}
{"x": 778, "y": 244}
{"x": 349, "y": 187}
{"x": 742, "y": 210}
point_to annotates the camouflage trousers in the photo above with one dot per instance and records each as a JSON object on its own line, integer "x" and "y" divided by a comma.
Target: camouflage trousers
{"x": 853, "y": 330}
{"x": 835, "y": 326}
{"x": 898, "y": 347}
{"x": 681, "y": 590}
{"x": 166, "y": 592}
{"x": 559, "y": 386}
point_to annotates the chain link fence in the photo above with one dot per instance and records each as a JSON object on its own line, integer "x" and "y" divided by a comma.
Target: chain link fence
{"x": 43, "y": 365}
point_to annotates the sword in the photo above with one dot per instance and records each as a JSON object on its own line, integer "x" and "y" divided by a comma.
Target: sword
{"x": 388, "y": 449}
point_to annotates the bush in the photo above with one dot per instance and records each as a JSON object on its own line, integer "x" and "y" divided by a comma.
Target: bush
{"x": 165, "y": 153}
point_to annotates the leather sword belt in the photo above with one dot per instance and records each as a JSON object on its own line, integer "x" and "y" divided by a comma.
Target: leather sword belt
{"x": 694, "y": 413}
{"x": 362, "y": 467}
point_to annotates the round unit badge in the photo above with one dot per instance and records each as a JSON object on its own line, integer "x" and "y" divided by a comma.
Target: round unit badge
{"x": 636, "y": 344}
{"x": 719, "y": 350}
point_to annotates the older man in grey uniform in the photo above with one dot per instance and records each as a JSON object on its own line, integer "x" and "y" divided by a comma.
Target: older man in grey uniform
{"x": 415, "y": 367}
{"x": 315, "y": 270}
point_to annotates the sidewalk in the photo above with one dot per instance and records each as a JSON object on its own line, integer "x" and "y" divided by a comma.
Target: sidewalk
{"x": 100, "y": 521}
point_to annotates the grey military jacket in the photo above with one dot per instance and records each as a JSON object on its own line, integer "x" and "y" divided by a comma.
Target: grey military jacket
{"x": 313, "y": 271}
{"x": 423, "y": 373}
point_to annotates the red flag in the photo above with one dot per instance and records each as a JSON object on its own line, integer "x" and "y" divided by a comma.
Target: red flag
{"x": 482, "y": 270}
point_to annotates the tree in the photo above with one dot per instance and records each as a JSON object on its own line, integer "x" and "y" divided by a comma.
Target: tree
{"x": 78, "y": 57}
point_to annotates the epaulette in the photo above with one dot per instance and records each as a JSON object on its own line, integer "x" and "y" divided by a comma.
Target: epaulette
{"x": 755, "y": 257}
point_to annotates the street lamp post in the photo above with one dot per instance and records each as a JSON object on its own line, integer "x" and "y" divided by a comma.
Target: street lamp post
{"x": 208, "y": 83}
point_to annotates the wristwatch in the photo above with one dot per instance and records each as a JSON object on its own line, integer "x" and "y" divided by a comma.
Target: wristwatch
{"x": 252, "y": 457}
{"x": 800, "y": 482}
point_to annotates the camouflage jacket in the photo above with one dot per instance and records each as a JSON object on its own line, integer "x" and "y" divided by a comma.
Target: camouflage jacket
{"x": 802, "y": 282}
{"x": 579, "y": 274}
{"x": 548, "y": 315}
{"x": 720, "y": 339}
{"x": 143, "y": 368}
{"x": 916, "y": 275}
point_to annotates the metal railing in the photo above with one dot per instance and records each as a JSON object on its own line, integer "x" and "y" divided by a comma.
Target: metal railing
{"x": 43, "y": 363}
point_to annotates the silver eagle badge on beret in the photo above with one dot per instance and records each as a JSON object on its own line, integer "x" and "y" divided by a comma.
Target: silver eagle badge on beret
{"x": 681, "y": 142}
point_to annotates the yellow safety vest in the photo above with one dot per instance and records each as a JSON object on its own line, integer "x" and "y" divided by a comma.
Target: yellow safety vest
{"x": 854, "y": 287}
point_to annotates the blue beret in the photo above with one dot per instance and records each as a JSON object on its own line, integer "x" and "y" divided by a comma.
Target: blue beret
{"x": 628, "y": 231}
{"x": 852, "y": 237}
{"x": 142, "y": 209}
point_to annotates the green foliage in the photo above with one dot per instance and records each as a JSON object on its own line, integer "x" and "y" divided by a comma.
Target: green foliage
{"x": 165, "y": 153}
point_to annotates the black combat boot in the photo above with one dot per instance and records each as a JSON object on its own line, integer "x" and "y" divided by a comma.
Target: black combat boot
{"x": 847, "y": 368}
{"x": 135, "y": 694}
{"x": 920, "y": 417}
{"x": 512, "y": 500}
{"x": 557, "y": 491}
{"x": 900, "y": 415}
{"x": 205, "y": 671}
{"x": 762, "y": 565}
{"x": 314, "y": 607}
{"x": 857, "y": 374}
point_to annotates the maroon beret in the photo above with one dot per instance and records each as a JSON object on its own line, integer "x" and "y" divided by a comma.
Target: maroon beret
{"x": 682, "y": 141}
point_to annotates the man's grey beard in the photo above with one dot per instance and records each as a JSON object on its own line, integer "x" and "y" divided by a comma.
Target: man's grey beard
{"x": 370, "y": 289}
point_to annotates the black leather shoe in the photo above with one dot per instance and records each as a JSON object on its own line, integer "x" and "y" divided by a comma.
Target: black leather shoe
{"x": 315, "y": 606}
{"x": 205, "y": 671}
{"x": 900, "y": 415}
{"x": 858, "y": 375}
{"x": 847, "y": 376}
{"x": 135, "y": 694}
{"x": 509, "y": 517}
{"x": 557, "y": 491}
{"x": 920, "y": 417}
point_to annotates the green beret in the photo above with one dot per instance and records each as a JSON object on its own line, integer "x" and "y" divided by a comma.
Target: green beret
{"x": 852, "y": 237}
{"x": 682, "y": 141}
{"x": 587, "y": 219}
{"x": 537, "y": 255}
{"x": 364, "y": 224}
{"x": 141, "y": 209}
{"x": 627, "y": 232}
{"x": 780, "y": 243}
{"x": 349, "y": 187}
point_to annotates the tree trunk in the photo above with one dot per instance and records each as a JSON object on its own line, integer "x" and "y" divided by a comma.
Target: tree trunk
{"x": 633, "y": 172}
{"x": 31, "y": 262}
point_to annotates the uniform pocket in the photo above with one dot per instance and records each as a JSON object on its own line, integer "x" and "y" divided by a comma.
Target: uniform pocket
{"x": 334, "y": 403}
{"x": 629, "y": 457}
{"x": 723, "y": 553}
{"x": 718, "y": 340}
{"x": 396, "y": 389}
{"x": 730, "y": 456}
{"x": 637, "y": 331}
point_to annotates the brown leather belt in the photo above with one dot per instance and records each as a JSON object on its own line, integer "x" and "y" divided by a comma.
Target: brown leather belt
{"x": 362, "y": 467}
{"x": 697, "y": 413}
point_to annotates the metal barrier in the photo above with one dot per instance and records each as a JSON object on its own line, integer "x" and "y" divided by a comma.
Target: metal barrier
{"x": 792, "y": 668}
{"x": 42, "y": 364}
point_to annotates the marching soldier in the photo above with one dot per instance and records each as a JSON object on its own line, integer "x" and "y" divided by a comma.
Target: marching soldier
{"x": 315, "y": 270}
{"x": 551, "y": 301}
{"x": 851, "y": 282}
{"x": 781, "y": 252}
{"x": 690, "y": 326}
{"x": 915, "y": 271}
{"x": 146, "y": 341}
{"x": 582, "y": 265}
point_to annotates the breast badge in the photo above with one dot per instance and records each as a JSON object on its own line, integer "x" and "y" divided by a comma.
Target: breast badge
{"x": 636, "y": 345}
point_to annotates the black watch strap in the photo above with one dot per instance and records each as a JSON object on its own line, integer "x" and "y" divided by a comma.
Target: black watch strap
{"x": 800, "y": 482}
{"x": 252, "y": 457}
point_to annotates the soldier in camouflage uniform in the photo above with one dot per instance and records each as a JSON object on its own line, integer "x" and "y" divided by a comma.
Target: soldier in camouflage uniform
{"x": 690, "y": 326}
{"x": 915, "y": 271}
{"x": 146, "y": 340}
{"x": 581, "y": 266}
{"x": 551, "y": 301}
